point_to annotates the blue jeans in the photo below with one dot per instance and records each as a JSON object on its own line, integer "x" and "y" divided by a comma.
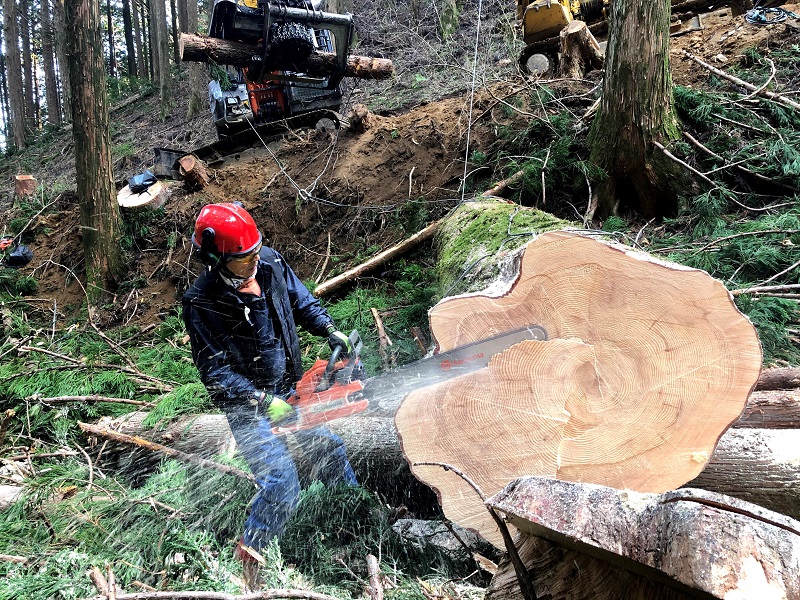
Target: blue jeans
{"x": 275, "y": 473}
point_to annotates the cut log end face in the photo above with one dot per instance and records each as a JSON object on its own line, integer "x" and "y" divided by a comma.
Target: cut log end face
{"x": 646, "y": 365}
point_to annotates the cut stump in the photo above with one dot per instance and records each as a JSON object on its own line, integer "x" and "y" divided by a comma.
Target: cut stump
{"x": 154, "y": 197}
{"x": 688, "y": 541}
{"x": 646, "y": 365}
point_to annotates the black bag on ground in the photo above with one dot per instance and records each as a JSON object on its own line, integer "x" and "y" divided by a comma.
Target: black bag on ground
{"x": 139, "y": 183}
{"x": 18, "y": 257}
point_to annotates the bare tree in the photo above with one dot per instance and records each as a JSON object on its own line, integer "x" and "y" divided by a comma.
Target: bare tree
{"x": 60, "y": 26}
{"x": 16, "y": 99}
{"x": 130, "y": 46}
{"x": 176, "y": 52}
{"x": 49, "y": 65}
{"x": 159, "y": 49}
{"x": 100, "y": 218}
{"x": 187, "y": 11}
{"x": 25, "y": 32}
{"x": 636, "y": 111}
{"x": 141, "y": 55}
{"x": 112, "y": 54}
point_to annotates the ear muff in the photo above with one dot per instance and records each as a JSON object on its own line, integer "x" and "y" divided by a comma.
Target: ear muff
{"x": 208, "y": 249}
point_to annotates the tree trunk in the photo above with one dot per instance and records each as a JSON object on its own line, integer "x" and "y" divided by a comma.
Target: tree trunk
{"x": 100, "y": 220}
{"x": 225, "y": 52}
{"x": 4, "y": 105}
{"x": 635, "y": 111}
{"x": 197, "y": 73}
{"x": 112, "y": 50}
{"x": 16, "y": 99}
{"x": 49, "y": 64}
{"x": 646, "y": 364}
{"x": 176, "y": 32}
{"x": 694, "y": 541}
{"x": 193, "y": 172}
{"x": 141, "y": 56}
{"x": 130, "y": 47}
{"x": 160, "y": 51}
{"x": 27, "y": 64}
{"x": 750, "y": 464}
{"x": 59, "y": 22}
{"x": 579, "y": 52}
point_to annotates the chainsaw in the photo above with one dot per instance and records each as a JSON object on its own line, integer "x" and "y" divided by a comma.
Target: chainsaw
{"x": 338, "y": 387}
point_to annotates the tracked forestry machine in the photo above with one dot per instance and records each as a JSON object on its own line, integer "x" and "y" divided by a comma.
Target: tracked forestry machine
{"x": 289, "y": 32}
{"x": 543, "y": 20}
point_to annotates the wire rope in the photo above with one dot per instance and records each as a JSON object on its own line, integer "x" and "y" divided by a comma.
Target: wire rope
{"x": 471, "y": 99}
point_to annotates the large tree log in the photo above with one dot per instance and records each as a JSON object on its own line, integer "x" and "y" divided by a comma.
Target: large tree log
{"x": 200, "y": 48}
{"x": 692, "y": 541}
{"x": 757, "y": 465}
{"x": 646, "y": 365}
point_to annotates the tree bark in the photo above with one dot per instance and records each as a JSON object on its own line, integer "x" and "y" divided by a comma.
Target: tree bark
{"x": 16, "y": 98}
{"x": 112, "y": 50}
{"x": 175, "y": 31}
{"x": 159, "y": 49}
{"x": 59, "y": 22}
{"x": 197, "y": 75}
{"x": 27, "y": 64}
{"x": 130, "y": 46}
{"x": 100, "y": 220}
{"x": 193, "y": 172}
{"x": 687, "y": 540}
{"x": 49, "y": 65}
{"x": 225, "y": 52}
{"x": 750, "y": 464}
{"x": 636, "y": 110}
{"x": 579, "y": 52}
{"x": 141, "y": 56}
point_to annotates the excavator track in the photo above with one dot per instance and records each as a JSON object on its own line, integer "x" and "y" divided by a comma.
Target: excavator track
{"x": 257, "y": 136}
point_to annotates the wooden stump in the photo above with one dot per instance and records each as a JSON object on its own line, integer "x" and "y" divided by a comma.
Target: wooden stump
{"x": 25, "y": 185}
{"x": 153, "y": 197}
{"x": 195, "y": 176}
{"x": 579, "y": 51}
{"x": 646, "y": 365}
{"x": 689, "y": 541}
{"x": 359, "y": 118}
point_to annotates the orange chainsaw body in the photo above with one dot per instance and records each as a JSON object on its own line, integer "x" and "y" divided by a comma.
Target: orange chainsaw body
{"x": 315, "y": 406}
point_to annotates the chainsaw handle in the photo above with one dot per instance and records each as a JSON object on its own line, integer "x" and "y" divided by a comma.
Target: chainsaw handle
{"x": 325, "y": 380}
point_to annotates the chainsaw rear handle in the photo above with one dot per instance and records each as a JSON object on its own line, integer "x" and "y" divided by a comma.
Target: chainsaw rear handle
{"x": 343, "y": 375}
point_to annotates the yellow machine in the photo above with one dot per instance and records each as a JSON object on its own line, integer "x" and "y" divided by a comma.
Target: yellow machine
{"x": 543, "y": 19}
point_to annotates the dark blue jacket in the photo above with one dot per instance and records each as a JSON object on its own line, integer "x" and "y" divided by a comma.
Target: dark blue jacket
{"x": 241, "y": 343}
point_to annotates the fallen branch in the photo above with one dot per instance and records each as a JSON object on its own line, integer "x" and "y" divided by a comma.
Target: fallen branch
{"x": 687, "y": 166}
{"x": 383, "y": 339}
{"x": 199, "y": 595}
{"x": 165, "y": 450}
{"x": 502, "y": 186}
{"x": 374, "y": 570}
{"x": 748, "y": 86}
{"x": 89, "y": 399}
{"x": 327, "y": 287}
{"x": 752, "y": 174}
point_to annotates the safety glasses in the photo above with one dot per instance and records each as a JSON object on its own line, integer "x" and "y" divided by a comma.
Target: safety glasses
{"x": 247, "y": 257}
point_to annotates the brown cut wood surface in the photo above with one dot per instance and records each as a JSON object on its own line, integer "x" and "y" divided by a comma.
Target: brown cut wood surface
{"x": 646, "y": 366}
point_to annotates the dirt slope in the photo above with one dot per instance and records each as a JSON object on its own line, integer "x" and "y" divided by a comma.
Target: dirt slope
{"x": 354, "y": 186}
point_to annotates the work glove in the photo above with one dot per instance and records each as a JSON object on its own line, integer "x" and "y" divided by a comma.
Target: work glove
{"x": 337, "y": 339}
{"x": 278, "y": 409}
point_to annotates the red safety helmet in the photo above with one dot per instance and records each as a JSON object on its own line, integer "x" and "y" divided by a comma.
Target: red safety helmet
{"x": 224, "y": 231}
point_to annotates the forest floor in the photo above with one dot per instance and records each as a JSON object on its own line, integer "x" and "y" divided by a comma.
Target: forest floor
{"x": 325, "y": 200}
